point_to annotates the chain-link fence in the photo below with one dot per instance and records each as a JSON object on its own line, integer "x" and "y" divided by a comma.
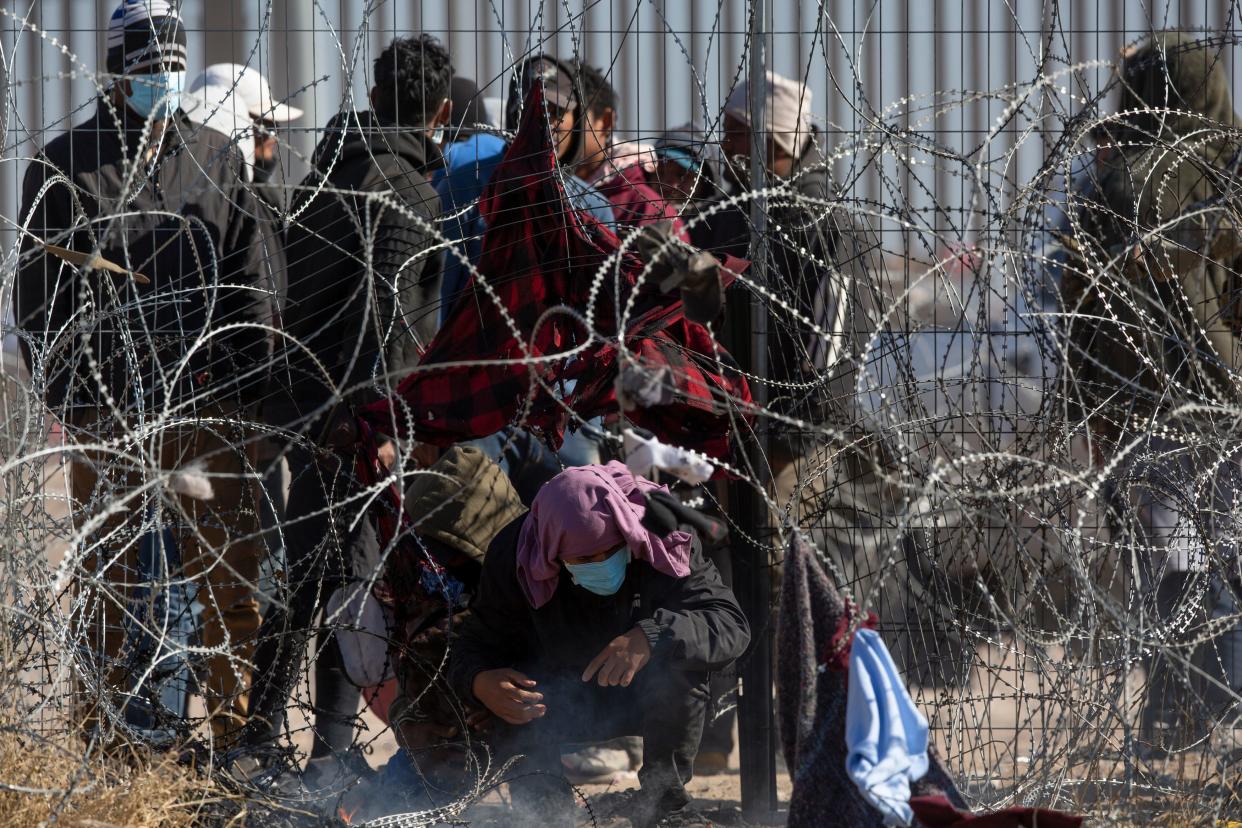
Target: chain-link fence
{"x": 296, "y": 327}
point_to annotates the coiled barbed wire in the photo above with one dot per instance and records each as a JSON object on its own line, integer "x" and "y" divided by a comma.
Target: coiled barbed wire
{"x": 1012, "y": 560}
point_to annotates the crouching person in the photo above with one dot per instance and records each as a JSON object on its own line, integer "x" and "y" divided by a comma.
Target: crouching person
{"x": 587, "y": 626}
{"x": 457, "y": 507}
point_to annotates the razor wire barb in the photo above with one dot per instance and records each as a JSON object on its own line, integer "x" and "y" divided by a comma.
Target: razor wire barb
{"x": 1051, "y": 544}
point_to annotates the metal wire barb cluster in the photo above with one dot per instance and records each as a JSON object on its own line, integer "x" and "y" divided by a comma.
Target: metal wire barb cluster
{"x": 1018, "y": 441}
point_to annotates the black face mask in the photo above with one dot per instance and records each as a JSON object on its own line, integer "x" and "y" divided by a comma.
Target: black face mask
{"x": 264, "y": 170}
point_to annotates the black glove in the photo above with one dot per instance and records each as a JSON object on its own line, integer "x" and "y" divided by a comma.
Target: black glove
{"x": 665, "y": 514}
{"x": 675, "y": 264}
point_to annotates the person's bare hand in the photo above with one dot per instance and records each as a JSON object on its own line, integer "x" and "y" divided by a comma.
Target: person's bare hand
{"x": 387, "y": 453}
{"x": 617, "y": 663}
{"x": 480, "y": 721}
{"x": 510, "y": 695}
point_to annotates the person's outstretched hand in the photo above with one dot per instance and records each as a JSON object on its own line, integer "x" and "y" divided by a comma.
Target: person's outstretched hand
{"x": 617, "y": 663}
{"x": 387, "y": 453}
{"x": 509, "y": 695}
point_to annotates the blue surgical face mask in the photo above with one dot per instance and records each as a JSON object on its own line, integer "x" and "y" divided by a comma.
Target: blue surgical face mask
{"x": 602, "y": 577}
{"x": 157, "y": 95}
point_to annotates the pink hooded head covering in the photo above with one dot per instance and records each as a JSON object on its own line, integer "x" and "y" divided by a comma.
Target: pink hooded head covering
{"x": 587, "y": 509}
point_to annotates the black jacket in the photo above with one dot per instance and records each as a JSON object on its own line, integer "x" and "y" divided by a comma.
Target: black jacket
{"x": 693, "y": 623}
{"x": 364, "y": 265}
{"x": 191, "y": 228}
{"x": 827, "y": 265}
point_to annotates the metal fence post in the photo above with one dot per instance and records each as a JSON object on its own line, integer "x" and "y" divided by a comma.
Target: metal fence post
{"x": 756, "y": 734}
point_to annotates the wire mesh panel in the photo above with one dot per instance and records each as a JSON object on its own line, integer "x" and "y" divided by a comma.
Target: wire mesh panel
{"x": 309, "y": 337}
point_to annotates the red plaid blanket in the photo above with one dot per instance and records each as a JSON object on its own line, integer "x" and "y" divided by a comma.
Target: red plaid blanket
{"x": 509, "y": 346}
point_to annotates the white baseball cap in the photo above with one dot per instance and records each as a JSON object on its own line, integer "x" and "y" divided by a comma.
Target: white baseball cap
{"x": 786, "y": 115}
{"x": 249, "y": 85}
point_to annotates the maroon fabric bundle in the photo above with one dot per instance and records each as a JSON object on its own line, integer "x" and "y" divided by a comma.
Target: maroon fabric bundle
{"x": 540, "y": 253}
{"x": 937, "y": 812}
{"x": 836, "y": 656}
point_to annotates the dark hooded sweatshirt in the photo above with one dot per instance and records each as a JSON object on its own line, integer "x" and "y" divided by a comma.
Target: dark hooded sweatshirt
{"x": 1160, "y": 328}
{"x": 692, "y": 623}
{"x": 364, "y": 266}
{"x": 187, "y": 224}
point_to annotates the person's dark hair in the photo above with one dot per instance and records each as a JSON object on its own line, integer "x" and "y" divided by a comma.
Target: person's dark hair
{"x": 469, "y": 110}
{"x": 597, "y": 92}
{"x": 412, "y": 78}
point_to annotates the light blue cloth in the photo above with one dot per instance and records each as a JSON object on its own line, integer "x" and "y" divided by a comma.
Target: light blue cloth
{"x": 885, "y": 734}
{"x": 585, "y": 197}
{"x": 468, "y": 166}
{"x": 584, "y": 447}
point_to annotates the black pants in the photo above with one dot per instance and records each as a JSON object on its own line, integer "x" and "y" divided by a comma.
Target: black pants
{"x": 320, "y": 551}
{"x": 718, "y": 733}
{"x": 666, "y": 707}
